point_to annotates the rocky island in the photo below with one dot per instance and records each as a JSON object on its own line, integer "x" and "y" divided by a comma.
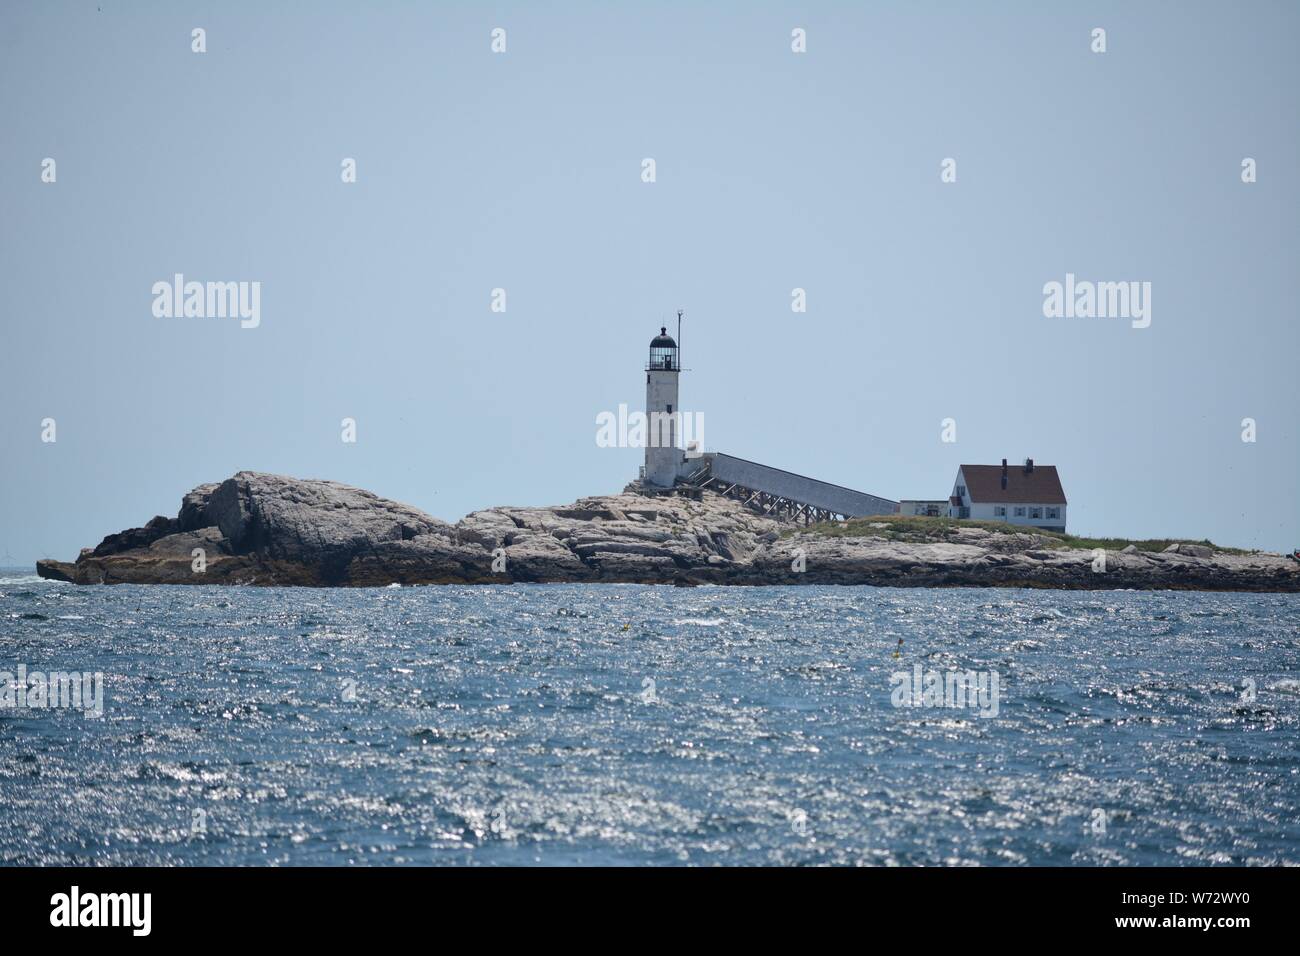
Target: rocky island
{"x": 262, "y": 529}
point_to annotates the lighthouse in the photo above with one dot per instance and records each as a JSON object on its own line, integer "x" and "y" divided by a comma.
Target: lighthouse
{"x": 663, "y": 459}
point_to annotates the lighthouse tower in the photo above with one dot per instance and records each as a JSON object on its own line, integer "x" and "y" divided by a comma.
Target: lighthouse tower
{"x": 662, "y": 456}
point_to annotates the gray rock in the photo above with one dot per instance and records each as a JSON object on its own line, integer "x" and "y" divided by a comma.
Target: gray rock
{"x": 265, "y": 529}
{"x": 1190, "y": 550}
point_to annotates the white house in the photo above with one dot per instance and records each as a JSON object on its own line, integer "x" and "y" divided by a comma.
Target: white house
{"x": 1025, "y": 494}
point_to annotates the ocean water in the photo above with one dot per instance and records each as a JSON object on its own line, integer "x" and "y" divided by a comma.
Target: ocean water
{"x": 649, "y": 725}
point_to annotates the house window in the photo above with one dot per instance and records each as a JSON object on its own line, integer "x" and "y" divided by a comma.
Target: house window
{"x": 1054, "y": 512}
{"x": 961, "y": 491}
{"x": 1000, "y": 511}
{"x": 1020, "y": 511}
{"x": 1036, "y": 513}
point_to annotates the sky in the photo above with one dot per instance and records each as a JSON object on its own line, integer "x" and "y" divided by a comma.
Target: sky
{"x": 774, "y": 170}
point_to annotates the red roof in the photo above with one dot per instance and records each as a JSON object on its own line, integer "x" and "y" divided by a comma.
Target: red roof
{"x": 1042, "y": 486}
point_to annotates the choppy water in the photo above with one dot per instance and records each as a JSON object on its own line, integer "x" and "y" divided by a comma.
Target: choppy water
{"x": 628, "y": 724}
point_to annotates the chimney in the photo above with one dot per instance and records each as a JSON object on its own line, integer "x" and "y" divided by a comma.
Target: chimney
{"x": 1029, "y": 466}
{"x": 1004, "y": 474}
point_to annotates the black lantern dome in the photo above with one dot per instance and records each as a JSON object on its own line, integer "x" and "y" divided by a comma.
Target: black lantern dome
{"x": 663, "y": 352}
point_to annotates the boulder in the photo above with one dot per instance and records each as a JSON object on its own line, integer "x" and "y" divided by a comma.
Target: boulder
{"x": 1190, "y": 550}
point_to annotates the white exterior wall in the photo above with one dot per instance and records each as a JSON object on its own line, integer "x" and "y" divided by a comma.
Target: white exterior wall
{"x": 662, "y": 464}
{"x": 985, "y": 513}
{"x": 958, "y": 482}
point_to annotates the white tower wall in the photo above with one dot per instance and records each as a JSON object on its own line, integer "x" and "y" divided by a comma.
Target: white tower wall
{"x": 662, "y": 456}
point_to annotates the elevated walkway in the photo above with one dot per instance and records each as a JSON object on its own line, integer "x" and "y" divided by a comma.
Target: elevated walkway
{"x": 777, "y": 492}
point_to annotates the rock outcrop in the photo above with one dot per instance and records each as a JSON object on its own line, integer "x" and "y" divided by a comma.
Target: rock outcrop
{"x": 265, "y": 529}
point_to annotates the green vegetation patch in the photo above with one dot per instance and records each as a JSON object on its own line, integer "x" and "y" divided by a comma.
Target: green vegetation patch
{"x": 918, "y": 528}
